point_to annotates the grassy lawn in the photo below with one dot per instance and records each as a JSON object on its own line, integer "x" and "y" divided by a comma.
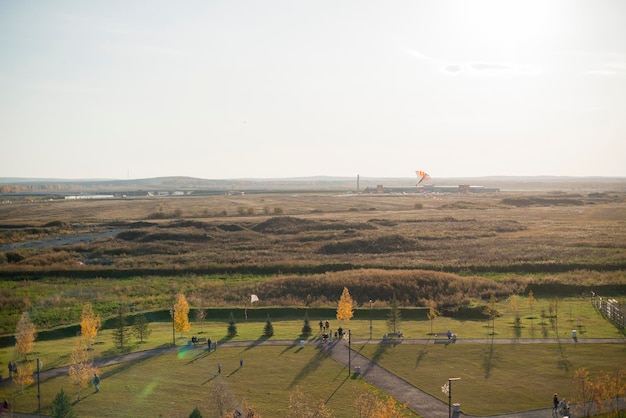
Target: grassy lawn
{"x": 524, "y": 375}
{"x": 498, "y": 378}
{"x": 574, "y": 313}
{"x": 171, "y": 385}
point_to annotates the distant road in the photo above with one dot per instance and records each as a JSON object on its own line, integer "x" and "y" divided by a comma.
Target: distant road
{"x": 61, "y": 240}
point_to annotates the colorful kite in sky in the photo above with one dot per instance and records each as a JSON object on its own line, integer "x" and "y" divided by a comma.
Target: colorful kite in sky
{"x": 422, "y": 176}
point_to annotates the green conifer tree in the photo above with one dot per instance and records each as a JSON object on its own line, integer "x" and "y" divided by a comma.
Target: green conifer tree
{"x": 62, "y": 406}
{"x": 141, "y": 328}
{"x": 120, "y": 333}
{"x": 232, "y": 326}
{"x": 195, "y": 413}
{"x": 268, "y": 330}
{"x": 394, "y": 318}
{"x": 306, "y": 328}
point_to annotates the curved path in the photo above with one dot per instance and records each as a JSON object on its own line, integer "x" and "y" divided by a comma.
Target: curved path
{"x": 417, "y": 400}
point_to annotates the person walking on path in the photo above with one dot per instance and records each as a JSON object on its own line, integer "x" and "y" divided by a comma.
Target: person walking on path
{"x": 96, "y": 382}
{"x": 209, "y": 344}
{"x": 556, "y": 401}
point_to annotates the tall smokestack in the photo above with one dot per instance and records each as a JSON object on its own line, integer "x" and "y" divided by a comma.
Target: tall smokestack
{"x": 357, "y": 182}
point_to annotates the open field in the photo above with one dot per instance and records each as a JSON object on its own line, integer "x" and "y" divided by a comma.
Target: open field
{"x": 171, "y": 385}
{"x": 219, "y": 249}
{"x": 522, "y": 373}
{"x": 167, "y": 385}
{"x": 298, "y": 251}
{"x": 574, "y": 313}
{"x": 497, "y": 379}
{"x": 283, "y": 232}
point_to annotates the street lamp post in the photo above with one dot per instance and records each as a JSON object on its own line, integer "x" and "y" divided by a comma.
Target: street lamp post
{"x": 450, "y": 379}
{"x": 370, "y": 319}
{"x": 172, "y": 314}
{"x": 38, "y": 386}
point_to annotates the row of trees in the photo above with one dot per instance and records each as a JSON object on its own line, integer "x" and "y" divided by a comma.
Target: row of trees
{"x": 224, "y": 403}
{"x": 345, "y": 311}
{"x": 600, "y": 392}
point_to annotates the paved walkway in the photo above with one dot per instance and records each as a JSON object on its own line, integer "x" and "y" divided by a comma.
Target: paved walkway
{"x": 419, "y": 401}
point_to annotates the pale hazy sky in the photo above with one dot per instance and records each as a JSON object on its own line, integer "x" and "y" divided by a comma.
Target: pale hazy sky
{"x": 232, "y": 89}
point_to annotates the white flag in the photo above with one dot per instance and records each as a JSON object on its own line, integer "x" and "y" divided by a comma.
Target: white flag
{"x": 254, "y": 298}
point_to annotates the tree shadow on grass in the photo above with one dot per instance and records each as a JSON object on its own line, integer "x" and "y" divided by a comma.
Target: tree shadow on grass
{"x": 291, "y": 347}
{"x": 116, "y": 351}
{"x": 233, "y": 372}
{"x": 90, "y": 392}
{"x": 563, "y": 363}
{"x": 422, "y": 353}
{"x": 314, "y": 364}
{"x": 198, "y": 356}
{"x": 381, "y": 349}
{"x": 488, "y": 361}
{"x": 336, "y": 389}
{"x": 256, "y": 343}
{"x": 210, "y": 379}
{"x": 122, "y": 367}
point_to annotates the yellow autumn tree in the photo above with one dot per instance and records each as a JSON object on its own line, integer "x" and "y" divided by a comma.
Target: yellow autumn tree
{"x": 370, "y": 406}
{"x": 25, "y": 335}
{"x": 303, "y": 405}
{"x": 90, "y": 324}
{"x": 81, "y": 367}
{"x": 344, "y": 308}
{"x": 24, "y": 376}
{"x": 181, "y": 314}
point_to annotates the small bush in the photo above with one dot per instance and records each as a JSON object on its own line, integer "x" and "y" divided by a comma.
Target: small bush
{"x": 13, "y": 257}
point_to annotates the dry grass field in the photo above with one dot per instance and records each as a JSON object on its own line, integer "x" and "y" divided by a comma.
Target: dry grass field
{"x": 299, "y": 249}
{"x": 302, "y": 248}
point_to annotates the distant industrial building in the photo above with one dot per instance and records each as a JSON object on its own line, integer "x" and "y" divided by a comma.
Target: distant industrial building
{"x": 461, "y": 188}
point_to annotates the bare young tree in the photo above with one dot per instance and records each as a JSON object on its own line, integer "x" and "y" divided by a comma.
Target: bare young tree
{"x": 222, "y": 399}
{"x": 200, "y": 317}
{"x": 302, "y": 406}
{"x": 141, "y": 328}
{"x": 491, "y": 312}
{"x": 432, "y": 313}
{"x": 394, "y": 318}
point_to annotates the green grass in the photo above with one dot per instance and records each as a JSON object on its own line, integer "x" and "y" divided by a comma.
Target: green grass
{"x": 574, "y": 313}
{"x": 498, "y": 378}
{"x": 520, "y": 372}
{"x": 171, "y": 385}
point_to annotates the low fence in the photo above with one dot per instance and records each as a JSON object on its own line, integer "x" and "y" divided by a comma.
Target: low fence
{"x": 609, "y": 308}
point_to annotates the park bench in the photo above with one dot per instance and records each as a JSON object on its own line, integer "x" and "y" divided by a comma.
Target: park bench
{"x": 442, "y": 338}
{"x": 198, "y": 341}
{"x": 393, "y": 335}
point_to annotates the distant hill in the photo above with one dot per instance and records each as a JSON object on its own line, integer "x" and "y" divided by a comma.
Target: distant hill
{"x": 10, "y": 185}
